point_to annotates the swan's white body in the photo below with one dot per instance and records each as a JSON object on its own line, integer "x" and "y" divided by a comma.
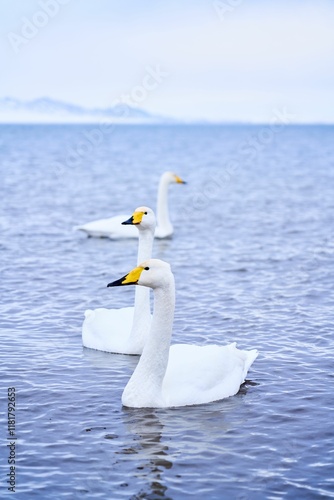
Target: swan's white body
{"x": 124, "y": 331}
{"x": 182, "y": 374}
{"x": 112, "y": 227}
{"x": 109, "y": 228}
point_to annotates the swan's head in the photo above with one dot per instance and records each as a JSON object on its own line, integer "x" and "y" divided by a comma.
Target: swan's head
{"x": 171, "y": 178}
{"x": 143, "y": 218}
{"x": 153, "y": 273}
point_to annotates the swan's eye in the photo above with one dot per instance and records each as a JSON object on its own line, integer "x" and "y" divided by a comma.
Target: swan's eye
{"x": 145, "y": 213}
{"x": 146, "y": 268}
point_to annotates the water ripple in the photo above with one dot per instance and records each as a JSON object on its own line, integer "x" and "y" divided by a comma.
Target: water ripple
{"x": 253, "y": 263}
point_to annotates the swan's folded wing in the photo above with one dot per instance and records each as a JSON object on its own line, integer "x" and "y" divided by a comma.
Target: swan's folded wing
{"x": 107, "y": 329}
{"x": 200, "y": 374}
{"x": 110, "y": 228}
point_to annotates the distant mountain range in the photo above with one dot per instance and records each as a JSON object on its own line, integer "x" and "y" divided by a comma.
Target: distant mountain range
{"x": 47, "y": 110}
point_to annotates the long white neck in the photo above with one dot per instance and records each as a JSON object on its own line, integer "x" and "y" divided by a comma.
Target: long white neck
{"x": 145, "y": 386}
{"x": 162, "y": 213}
{"x": 142, "y": 312}
{"x": 145, "y": 244}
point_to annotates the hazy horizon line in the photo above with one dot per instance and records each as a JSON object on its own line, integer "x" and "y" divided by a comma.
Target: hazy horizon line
{"x": 156, "y": 117}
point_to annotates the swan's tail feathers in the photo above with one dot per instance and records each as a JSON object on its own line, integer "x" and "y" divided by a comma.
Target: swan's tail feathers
{"x": 251, "y": 357}
{"x": 89, "y": 313}
{"x": 78, "y": 228}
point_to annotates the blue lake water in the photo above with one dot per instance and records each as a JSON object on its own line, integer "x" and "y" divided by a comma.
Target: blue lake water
{"x": 253, "y": 258}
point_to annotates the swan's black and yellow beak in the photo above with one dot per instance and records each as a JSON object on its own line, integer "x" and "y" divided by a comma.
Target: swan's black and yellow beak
{"x": 129, "y": 221}
{"x": 131, "y": 278}
{"x": 179, "y": 180}
{"x": 135, "y": 218}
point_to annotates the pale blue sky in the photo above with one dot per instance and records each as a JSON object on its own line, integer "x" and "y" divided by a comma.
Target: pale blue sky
{"x": 259, "y": 56}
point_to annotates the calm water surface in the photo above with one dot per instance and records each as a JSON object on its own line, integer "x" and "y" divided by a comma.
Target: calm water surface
{"x": 253, "y": 258}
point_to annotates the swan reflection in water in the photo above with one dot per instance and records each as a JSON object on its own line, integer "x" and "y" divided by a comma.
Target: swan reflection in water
{"x": 148, "y": 450}
{"x": 193, "y": 430}
{"x": 139, "y": 436}
{"x": 137, "y": 448}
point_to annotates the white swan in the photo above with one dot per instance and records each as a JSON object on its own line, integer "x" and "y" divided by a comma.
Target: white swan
{"x": 182, "y": 374}
{"x": 112, "y": 227}
{"x": 124, "y": 331}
